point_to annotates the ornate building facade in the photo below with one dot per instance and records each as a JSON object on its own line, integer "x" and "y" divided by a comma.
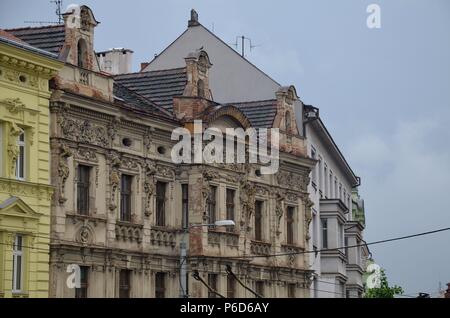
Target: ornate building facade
{"x": 25, "y": 190}
{"x": 122, "y": 207}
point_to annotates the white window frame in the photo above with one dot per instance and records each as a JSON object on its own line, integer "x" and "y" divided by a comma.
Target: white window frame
{"x": 17, "y": 254}
{"x": 19, "y": 162}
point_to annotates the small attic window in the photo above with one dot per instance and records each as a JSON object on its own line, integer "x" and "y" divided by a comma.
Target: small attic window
{"x": 200, "y": 88}
{"x": 82, "y": 53}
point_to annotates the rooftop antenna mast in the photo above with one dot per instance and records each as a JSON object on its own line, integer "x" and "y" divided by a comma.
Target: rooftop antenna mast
{"x": 242, "y": 40}
{"x": 58, "y": 12}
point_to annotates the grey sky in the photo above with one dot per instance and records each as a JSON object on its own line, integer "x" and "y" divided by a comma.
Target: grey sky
{"x": 384, "y": 94}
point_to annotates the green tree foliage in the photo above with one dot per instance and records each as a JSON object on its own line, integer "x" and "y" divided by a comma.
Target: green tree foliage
{"x": 384, "y": 291}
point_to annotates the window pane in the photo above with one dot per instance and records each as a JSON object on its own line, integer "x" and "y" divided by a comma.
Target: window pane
{"x": 258, "y": 220}
{"x": 324, "y": 233}
{"x": 230, "y": 287}
{"x": 124, "y": 284}
{"x": 185, "y": 205}
{"x": 160, "y": 203}
{"x": 160, "y": 288}
{"x": 230, "y": 207}
{"x": 83, "y": 185}
{"x": 212, "y": 205}
{"x": 125, "y": 198}
{"x": 290, "y": 225}
{"x": 212, "y": 282}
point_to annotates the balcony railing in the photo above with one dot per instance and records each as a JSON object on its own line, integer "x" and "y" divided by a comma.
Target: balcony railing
{"x": 217, "y": 238}
{"x": 260, "y": 248}
{"x": 129, "y": 232}
{"x": 84, "y": 77}
{"x": 162, "y": 237}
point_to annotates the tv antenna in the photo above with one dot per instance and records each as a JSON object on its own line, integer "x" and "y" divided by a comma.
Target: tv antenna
{"x": 242, "y": 43}
{"x": 58, "y": 12}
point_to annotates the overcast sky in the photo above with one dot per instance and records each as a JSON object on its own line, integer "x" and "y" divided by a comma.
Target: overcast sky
{"x": 384, "y": 94}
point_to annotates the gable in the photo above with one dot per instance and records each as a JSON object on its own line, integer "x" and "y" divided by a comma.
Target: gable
{"x": 231, "y": 78}
{"x": 16, "y": 207}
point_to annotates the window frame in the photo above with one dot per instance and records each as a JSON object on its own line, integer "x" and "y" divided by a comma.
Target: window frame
{"x": 84, "y": 185}
{"x": 18, "y": 273}
{"x": 258, "y": 226}
{"x": 160, "y": 285}
{"x": 125, "y": 286}
{"x": 212, "y": 204}
{"x": 82, "y": 292}
{"x": 161, "y": 197}
{"x": 230, "y": 207}
{"x": 126, "y": 206}
{"x": 21, "y": 156}
{"x": 212, "y": 282}
{"x": 185, "y": 206}
{"x": 324, "y": 231}
{"x": 290, "y": 225}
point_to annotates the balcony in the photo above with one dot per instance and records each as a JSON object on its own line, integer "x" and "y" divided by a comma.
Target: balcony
{"x": 128, "y": 232}
{"x": 218, "y": 238}
{"x": 162, "y": 237}
{"x": 260, "y": 248}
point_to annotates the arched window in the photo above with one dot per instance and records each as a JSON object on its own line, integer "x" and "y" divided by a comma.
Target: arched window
{"x": 288, "y": 121}
{"x": 82, "y": 53}
{"x": 200, "y": 88}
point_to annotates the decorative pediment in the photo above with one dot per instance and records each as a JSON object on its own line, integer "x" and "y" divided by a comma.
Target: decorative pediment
{"x": 16, "y": 207}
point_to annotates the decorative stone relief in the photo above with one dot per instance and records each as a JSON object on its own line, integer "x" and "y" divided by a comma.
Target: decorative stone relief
{"x": 13, "y": 149}
{"x": 130, "y": 164}
{"x": 292, "y": 180}
{"x": 149, "y": 185}
{"x": 85, "y": 235}
{"x": 247, "y": 193}
{"x": 14, "y": 105}
{"x": 279, "y": 209}
{"x": 86, "y": 154}
{"x": 63, "y": 170}
{"x": 114, "y": 178}
{"x": 83, "y": 131}
{"x": 148, "y": 138}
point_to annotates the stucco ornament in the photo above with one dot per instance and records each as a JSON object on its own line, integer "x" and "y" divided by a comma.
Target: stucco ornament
{"x": 14, "y": 105}
{"x": 13, "y": 148}
{"x": 279, "y": 209}
{"x": 149, "y": 185}
{"x": 247, "y": 194}
{"x": 308, "y": 214}
{"x": 114, "y": 178}
{"x": 63, "y": 170}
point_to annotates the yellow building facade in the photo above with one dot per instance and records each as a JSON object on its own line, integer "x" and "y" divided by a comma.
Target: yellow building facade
{"x": 25, "y": 190}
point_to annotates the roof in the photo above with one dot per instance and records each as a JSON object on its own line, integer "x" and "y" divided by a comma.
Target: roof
{"x": 8, "y": 38}
{"x": 260, "y": 113}
{"x": 50, "y": 38}
{"x": 133, "y": 99}
{"x": 158, "y": 86}
{"x": 322, "y": 129}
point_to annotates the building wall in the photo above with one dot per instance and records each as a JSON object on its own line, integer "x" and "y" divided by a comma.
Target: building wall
{"x": 25, "y": 202}
{"x": 232, "y": 78}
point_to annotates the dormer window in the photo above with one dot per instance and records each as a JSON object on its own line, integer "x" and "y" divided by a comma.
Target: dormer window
{"x": 82, "y": 53}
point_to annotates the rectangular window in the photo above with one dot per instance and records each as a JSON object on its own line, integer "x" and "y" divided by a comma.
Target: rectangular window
{"x": 291, "y": 291}
{"x": 212, "y": 282}
{"x": 160, "y": 285}
{"x": 336, "y": 189}
{"x": 84, "y": 276}
{"x": 230, "y": 207}
{"x": 346, "y": 247}
{"x": 259, "y": 288}
{"x": 160, "y": 203}
{"x": 290, "y": 225}
{"x": 320, "y": 166}
{"x": 258, "y": 221}
{"x": 17, "y": 270}
{"x": 340, "y": 191}
{"x": 124, "y": 283}
{"x": 231, "y": 287}
{"x": 125, "y": 197}
{"x": 324, "y": 233}
{"x": 20, "y": 161}
{"x": 185, "y": 205}
{"x": 212, "y": 205}
{"x": 331, "y": 185}
{"x": 314, "y": 171}
{"x": 325, "y": 186}
{"x": 315, "y": 229}
{"x": 83, "y": 184}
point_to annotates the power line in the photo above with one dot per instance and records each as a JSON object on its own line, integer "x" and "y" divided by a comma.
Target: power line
{"x": 230, "y": 273}
{"x": 344, "y": 247}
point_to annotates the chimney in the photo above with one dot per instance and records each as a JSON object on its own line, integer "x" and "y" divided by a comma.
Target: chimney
{"x": 144, "y": 65}
{"x": 194, "y": 19}
{"x": 115, "y": 61}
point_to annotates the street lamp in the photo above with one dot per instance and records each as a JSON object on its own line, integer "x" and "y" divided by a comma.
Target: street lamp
{"x": 183, "y": 251}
